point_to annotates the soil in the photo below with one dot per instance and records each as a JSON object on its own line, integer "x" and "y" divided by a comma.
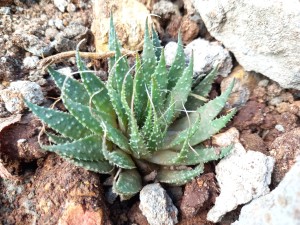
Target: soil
{"x": 42, "y": 188}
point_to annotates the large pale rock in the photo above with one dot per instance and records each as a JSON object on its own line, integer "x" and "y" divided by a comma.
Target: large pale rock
{"x": 129, "y": 20}
{"x": 281, "y": 206}
{"x": 242, "y": 176}
{"x": 263, "y": 35}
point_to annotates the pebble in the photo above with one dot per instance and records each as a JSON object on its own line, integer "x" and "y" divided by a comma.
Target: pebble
{"x": 170, "y": 52}
{"x": 61, "y": 4}
{"x": 280, "y": 128}
{"x": 71, "y": 7}
{"x": 157, "y": 206}
{"x": 30, "y": 62}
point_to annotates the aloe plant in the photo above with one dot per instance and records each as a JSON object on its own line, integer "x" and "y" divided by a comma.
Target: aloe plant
{"x": 145, "y": 115}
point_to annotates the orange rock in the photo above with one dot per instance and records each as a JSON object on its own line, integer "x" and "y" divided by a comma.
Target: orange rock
{"x": 76, "y": 215}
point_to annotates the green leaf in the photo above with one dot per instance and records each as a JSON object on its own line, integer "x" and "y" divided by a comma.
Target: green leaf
{"x": 137, "y": 144}
{"x": 179, "y": 177}
{"x": 95, "y": 120}
{"x": 71, "y": 87}
{"x": 84, "y": 114}
{"x": 88, "y": 148}
{"x": 183, "y": 86}
{"x": 181, "y": 130}
{"x": 96, "y": 89}
{"x": 117, "y": 157}
{"x": 128, "y": 184}
{"x": 156, "y": 43}
{"x": 177, "y": 66}
{"x": 57, "y": 139}
{"x": 148, "y": 57}
{"x": 159, "y": 83}
{"x": 212, "y": 128}
{"x": 194, "y": 156}
{"x": 61, "y": 122}
{"x": 202, "y": 89}
{"x": 117, "y": 105}
{"x": 102, "y": 167}
{"x": 208, "y": 112}
{"x": 139, "y": 93}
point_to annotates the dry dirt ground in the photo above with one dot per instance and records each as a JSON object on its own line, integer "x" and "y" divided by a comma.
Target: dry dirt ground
{"x": 42, "y": 188}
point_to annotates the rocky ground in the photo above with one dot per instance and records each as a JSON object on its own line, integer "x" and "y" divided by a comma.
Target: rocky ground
{"x": 37, "y": 187}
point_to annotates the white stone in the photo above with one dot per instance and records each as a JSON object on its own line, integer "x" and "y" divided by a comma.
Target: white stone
{"x": 207, "y": 55}
{"x": 14, "y": 94}
{"x": 59, "y": 24}
{"x": 61, "y": 4}
{"x": 170, "y": 52}
{"x": 30, "y": 62}
{"x": 263, "y": 35}
{"x": 279, "y": 127}
{"x": 157, "y": 206}
{"x": 242, "y": 176}
{"x": 67, "y": 71}
{"x": 279, "y": 207}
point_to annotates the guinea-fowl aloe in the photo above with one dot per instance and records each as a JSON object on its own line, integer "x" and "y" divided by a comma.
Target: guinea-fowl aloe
{"x": 145, "y": 115}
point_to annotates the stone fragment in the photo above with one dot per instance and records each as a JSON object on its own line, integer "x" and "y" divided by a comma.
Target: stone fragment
{"x": 68, "y": 39}
{"x": 242, "y": 176}
{"x": 30, "y": 62}
{"x": 285, "y": 149}
{"x": 5, "y": 11}
{"x": 10, "y": 68}
{"x": 170, "y": 52}
{"x": 61, "y": 4}
{"x": 244, "y": 85}
{"x": 207, "y": 55}
{"x": 32, "y": 43}
{"x": 165, "y": 9}
{"x": 157, "y": 206}
{"x": 129, "y": 19}
{"x": 75, "y": 214}
{"x": 189, "y": 29}
{"x": 281, "y": 206}
{"x": 14, "y": 94}
{"x": 263, "y": 35}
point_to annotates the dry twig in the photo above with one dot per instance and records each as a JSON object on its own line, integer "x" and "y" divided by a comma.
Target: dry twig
{"x": 92, "y": 55}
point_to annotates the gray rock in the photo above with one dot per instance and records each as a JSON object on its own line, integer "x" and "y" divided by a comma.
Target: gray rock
{"x": 61, "y": 4}
{"x": 207, "y": 55}
{"x": 157, "y": 206}
{"x": 10, "y": 68}
{"x": 30, "y": 62}
{"x": 68, "y": 39}
{"x": 14, "y": 94}
{"x": 263, "y": 35}
{"x": 242, "y": 176}
{"x": 281, "y": 206}
{"x": 32, "y": 43}
{"x": 165, "y": 9}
